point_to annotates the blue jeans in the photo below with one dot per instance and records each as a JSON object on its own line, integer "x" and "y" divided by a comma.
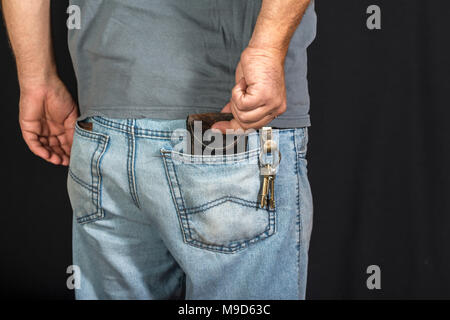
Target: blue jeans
{"x": 152, "y": 223}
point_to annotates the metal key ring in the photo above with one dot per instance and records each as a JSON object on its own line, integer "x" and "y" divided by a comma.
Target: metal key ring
{"x": 270, "y": 168}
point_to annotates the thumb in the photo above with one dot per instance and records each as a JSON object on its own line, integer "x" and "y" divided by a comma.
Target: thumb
{"x": 239, "y": 89}
{"x": 223, "y": 126}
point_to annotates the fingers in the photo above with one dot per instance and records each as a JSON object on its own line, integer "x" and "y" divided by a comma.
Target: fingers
{"x": 58, "y": 148}
{"x": 63, "y": 157}
{"x": 58, "y": 157}
{"x": 250, "y": 118}
{"x": 66, "y": 143}
{"x": 223, "y": 126}
{"x": 35, "y": 145}
{"x": 40, "y": 147}
{"x": 69, "y": 126}
{"x": 244, "y": 98}
{"x": 55, "y": 159}
{"x": 48, "y": 149}
{"x": 253, "y": 119}
{"x": 261, "y": 123}
{"x": 251, "y": 104}
{"x": 47, "y": 119}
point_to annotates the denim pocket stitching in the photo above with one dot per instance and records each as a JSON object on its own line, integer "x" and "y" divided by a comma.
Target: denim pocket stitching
{"x": 217, "y": 202}
{"x": 234, "y": 246}
{"x": 239, "y": 244}
{"x": 96, "y": 178}
{"x": 211, "y": 159}
{"x": 80, "y": 182}
{"x": 181, "y": 218}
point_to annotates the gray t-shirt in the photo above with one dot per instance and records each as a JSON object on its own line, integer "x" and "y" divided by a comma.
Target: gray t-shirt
{"x": 165, "y": 59}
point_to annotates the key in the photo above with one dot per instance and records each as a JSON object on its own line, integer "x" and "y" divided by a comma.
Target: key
{"x": 264, "y": 192}
{"x": 272, "y": 191}
{"x": 269, "y": 158}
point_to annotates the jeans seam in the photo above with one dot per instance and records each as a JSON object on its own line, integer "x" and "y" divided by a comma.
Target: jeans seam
{"x": 131, "y": 160}
{"x": 299, "y": 223}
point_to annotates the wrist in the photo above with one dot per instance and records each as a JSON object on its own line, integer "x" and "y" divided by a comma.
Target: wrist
{"x": 42, "y": 79}
{"x": 274, "y": 54}
{"x": 272, "y": 35}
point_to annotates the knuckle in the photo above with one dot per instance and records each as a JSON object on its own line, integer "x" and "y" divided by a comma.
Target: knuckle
{"x": 235, "y": 97}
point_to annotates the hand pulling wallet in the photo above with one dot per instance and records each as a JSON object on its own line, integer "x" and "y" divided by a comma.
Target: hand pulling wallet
{"x": 198, "y": 124}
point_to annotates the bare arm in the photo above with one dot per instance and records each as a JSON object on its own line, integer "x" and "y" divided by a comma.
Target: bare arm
{"x": 28, "y": 23}
{"x": 260, "y": 92}
{"x": 277, "y": 23}
{"x": 47, "y": 111}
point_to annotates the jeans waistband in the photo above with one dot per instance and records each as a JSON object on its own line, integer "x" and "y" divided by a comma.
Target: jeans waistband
{"x": 159, "y": 128}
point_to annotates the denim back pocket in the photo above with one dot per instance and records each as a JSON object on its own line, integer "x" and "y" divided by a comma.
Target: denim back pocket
{"x": 216, "y": 198}
{"x": 84, "y": 181}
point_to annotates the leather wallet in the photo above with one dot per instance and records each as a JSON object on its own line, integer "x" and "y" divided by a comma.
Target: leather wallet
{"x": 198, "y": 124}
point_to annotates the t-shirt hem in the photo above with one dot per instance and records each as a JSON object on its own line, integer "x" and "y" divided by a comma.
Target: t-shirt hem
{"x": 168, "y": 113}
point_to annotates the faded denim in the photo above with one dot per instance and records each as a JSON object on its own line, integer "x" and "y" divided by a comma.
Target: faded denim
{"x": 153, "y": 223}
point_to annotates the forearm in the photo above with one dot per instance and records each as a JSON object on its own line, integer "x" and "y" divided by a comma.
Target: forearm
{"x": 276, "y": 24}
{"x": 28, "y": 24}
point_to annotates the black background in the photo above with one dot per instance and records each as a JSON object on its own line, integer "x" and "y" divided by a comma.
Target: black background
{"x": 378, "y": 160}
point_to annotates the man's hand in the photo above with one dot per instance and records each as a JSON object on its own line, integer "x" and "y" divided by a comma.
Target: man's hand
{"x": 47, "y": 118}
{"x": 47, "y": 111}
{"x": 260, "y": 93}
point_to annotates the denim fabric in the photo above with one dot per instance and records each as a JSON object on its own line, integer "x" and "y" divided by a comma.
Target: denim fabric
{"x": 153, "y": 223}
